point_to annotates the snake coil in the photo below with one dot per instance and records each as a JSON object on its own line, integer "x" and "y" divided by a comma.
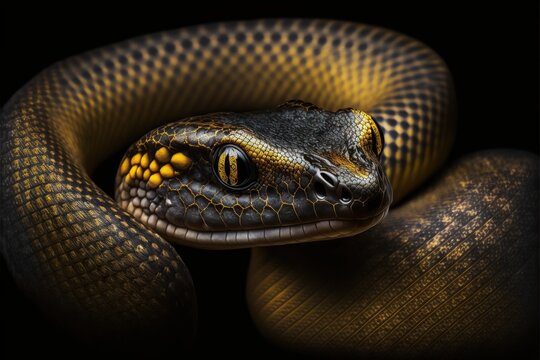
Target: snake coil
{"x": 436, "y": 264}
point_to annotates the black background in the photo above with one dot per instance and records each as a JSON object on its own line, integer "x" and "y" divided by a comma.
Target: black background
{"x": 492, "y": 52}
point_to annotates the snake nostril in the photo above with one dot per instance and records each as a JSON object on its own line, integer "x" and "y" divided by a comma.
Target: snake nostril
{"x": 330, "y": 179}
{"x": 345, "y": 195}
{"x": 320, "y": 190}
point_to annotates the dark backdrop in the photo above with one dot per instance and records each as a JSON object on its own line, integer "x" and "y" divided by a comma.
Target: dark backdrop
{"x": 492, "y": 52}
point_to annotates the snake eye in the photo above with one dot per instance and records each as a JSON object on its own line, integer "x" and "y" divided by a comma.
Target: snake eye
{"x": 377, "y": 138}
{"x": 233, "y": 168}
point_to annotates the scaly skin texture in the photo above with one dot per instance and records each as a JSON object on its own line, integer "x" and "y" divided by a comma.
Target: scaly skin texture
{"x": 90, "y": 264}
{"x": 315, "y": 175}
{"x": 450, "y": 273}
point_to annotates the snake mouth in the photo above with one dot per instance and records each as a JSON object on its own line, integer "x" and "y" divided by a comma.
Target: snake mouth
{"x": 317, "y": 230}
{"x": 278, "y": 235}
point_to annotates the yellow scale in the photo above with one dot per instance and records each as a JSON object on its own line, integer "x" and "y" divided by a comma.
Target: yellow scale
{"x": 162, "y": 166}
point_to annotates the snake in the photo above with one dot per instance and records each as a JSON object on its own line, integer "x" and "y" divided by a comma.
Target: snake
{"x": 237, "y": 155}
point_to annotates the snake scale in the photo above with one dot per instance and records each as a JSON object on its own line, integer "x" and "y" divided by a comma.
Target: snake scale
{"x": 450, "y": 269}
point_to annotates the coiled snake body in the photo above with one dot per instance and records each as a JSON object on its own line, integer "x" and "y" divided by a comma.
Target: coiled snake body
{"x": 293, "y": 174}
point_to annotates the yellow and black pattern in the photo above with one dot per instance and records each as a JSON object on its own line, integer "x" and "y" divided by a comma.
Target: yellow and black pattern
{"x": 153, "y": 168}
{"x": 448, "y": 274}
{"x": 297, "y": 183}
{"x": 103, "y": 274}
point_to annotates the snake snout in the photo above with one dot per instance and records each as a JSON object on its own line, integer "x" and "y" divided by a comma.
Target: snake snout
{"x": 327, "y": 186}
{"x": 349, "y": 196}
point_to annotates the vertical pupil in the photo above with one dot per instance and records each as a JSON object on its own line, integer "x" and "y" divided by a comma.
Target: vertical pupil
{"x": 233, "y": 167}
{"x": 222, "y": 167}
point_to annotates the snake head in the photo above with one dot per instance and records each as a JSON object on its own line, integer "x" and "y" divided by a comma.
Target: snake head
{"x": 291, "y": 174}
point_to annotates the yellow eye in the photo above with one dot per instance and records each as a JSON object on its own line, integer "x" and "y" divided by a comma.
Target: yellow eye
{"x": 233, "y": 168}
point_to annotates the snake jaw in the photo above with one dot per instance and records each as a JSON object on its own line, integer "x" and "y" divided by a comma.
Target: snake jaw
{"x": 231, "y": 239}
{"x": 138, "y": 201}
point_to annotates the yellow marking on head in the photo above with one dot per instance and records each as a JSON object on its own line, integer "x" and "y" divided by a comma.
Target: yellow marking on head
{"x": 154, "y": 181}
{"x": 124, "y": 168}
{"x": 146, "y": 174}
{"x": 167, "y": 171}
{"x": 267, "y": 158}
{"x": 139, "y": 172}
{"x": 221, "y": 167}
{"x": 154, "y": 167}
{"x": 162, "y": 155}
{"x": 136, "y": 159}
{"x": 133, "y": 171}
{"x": 340, "y": 160}
{"x": 180, "y": 161}
{"x": 145, "y": 160}
{"x": 378, "y": 135}
{"x": 365, "y": 136}
{"x": 233, "y": 169}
